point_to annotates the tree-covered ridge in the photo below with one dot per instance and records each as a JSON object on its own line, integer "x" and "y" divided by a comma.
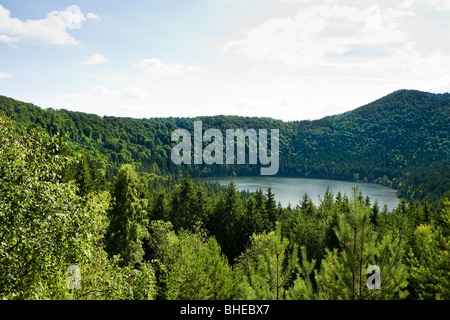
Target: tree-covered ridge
{"x": 158, "y": 237}
{"x": 401, "y": 140}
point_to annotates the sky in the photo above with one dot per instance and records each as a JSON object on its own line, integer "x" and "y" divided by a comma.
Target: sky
{"x": 285, "y": 59}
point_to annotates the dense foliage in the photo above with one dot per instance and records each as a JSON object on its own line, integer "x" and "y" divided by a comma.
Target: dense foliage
{"x": 107, "y": 200}
{"x": 401, "y": 140}
{"x": 46, "y": 227}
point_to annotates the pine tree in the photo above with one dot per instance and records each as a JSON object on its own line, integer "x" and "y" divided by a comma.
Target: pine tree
{"x": 307, "y": 206}
{"x": 83, "y": 177}
{"x": 195, "y": 268}
{"x": 227, "y": 222}
{"x": 86, "y": 175}
{"x": 267, "y": 266}
{"x": 303, "y": 287}
{"x": 160, "y": 207}
{"x": 255, "y": 223}
{"x": 183, "y": 213}
{"x": 430, "y": 258}
{"x": 374, "y": 214}
{"x": 128, "y": 218}
{"x": 271, "y": 207}
{"x": 426, "y": 210}
{"x": 343, "y": 272}
{"x": 261, "y": 210}
{"x": 284, "y": 264}
{"x": 328, "y": 201}
{"x": 201, "y": 208}
{"x": 331, "y": 240}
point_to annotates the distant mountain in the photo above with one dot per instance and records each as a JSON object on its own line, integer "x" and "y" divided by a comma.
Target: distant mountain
{"x": 401, "y": 140}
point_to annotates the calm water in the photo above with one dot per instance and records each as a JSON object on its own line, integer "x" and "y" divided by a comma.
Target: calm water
{"x": 292, "y": 190}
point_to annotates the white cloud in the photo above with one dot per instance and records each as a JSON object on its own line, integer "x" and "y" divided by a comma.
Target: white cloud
{"x": 155, "y": 66}
{"x": 438, "y": 5}
{"x": 5, "y": 75}
{"x": 246, "y": 105}
{"x": 356, "y": 53}
{"x": 319, "y": 35}
{"x": 123, "y": 93}
{"x": 294, "y": 0}
{"x": 7, "y": 39}
{"x": 50, "y": 30}
{"x": 96, "y": 59}
{"x": 133, "y": 92}
{"x": 93, "y": 16}
{"x": 127, "y": 101}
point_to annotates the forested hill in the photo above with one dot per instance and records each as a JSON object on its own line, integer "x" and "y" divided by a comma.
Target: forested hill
{"x": 401, "y": 140}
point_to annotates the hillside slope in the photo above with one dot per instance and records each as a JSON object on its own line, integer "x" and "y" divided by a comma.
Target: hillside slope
{"x": 401, "y": 140}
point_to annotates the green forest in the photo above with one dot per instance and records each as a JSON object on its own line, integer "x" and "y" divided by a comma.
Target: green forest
{"x": 401, "y": 140}
{"x": 102, "y": 194}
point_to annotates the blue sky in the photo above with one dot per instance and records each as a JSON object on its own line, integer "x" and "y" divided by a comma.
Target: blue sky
{"x": 286, "y": 59}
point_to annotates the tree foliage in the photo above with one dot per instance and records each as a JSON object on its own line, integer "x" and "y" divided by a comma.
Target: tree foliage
{"x": 194, "y": 267}
{"x": 429, "y": 258}
{"x": 400, "y": 140}
{"x": 266, "y": 267}
{"x": 47, "y": 227}
{"x": 128, "y": 218}
{"x": 107, "y": 199}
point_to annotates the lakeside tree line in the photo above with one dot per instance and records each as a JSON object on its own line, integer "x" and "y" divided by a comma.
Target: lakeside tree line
{"x": 157, "y": 236}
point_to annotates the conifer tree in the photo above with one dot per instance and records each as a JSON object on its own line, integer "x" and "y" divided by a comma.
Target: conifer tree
{"x": 128, "y": 218}
{"x": 227, "y": 222}
{"x": 328, "y": 200}
{"x": 267, "y": 266}
{"x": 83, "y": 177}
{"x": 271, "y": 207}
{"x": 303, "y": 287}
{"x": 307, "y": 206}
{"x": 374, "y": 214}
{"x": 201, "y": 208}
{"x": 430, "y": 258}
{"x": 254, "y": 221}
{"x": 343, "y": 273}
{"x": 183, "y": 213}
{"x": 160, "y": 207}
{"x": 331, "y": 240}
{"x": 261, "y": 210}
{"x": 426, "y": 210}
{"x": 195, "y": 268}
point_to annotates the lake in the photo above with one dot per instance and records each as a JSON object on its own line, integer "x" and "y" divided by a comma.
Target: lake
{"x": 292, "y": 190}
